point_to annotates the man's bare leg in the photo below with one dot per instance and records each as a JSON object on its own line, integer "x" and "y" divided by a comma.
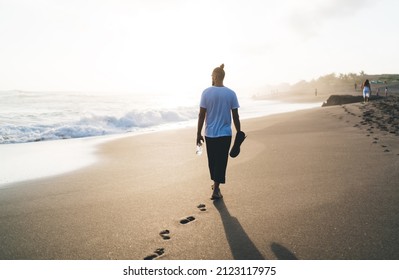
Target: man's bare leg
{"x": 216, "y": 191}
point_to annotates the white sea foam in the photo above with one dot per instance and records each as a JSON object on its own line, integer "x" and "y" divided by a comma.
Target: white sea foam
{"x": 93, "y": 125}
{"x": 32, "y": 117}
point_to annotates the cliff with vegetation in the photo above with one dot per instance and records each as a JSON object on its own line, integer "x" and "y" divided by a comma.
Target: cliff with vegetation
{"x": 332, "y": 84}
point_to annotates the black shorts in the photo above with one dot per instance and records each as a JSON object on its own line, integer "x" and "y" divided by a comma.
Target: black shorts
{"x": 218, "y": 154}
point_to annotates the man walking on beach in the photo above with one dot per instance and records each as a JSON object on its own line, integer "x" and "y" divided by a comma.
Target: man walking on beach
{"x": 218, "y": 104}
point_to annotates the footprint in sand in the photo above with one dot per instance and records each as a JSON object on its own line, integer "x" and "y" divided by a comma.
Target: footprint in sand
{"x": 187, "y": 220}
{"x": 165, "y": 234}
{"x": 386, "y": 150}
{"x": 202, "y": 207}
{"x": 157, "y": 253}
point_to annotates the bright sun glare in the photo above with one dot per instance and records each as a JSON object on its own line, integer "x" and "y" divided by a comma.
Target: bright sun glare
{"x": 172, "y": 46}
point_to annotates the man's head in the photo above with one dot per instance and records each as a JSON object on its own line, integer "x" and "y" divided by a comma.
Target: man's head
{"x": 218, "y": 75}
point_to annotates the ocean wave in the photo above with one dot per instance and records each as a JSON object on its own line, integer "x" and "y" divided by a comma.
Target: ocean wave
{"x": 95, "y": 125}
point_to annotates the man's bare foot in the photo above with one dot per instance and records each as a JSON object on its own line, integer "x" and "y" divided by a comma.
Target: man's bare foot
{"x": 216, "y": 194}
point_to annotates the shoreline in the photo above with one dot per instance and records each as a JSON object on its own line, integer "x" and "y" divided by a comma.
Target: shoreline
{"x": 313, "y": 184}
{"x": 56, "y": 157}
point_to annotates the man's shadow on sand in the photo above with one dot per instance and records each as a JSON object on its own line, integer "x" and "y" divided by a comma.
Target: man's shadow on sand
{"x": 282, "y": 253}
{"x": 240, "y": 244}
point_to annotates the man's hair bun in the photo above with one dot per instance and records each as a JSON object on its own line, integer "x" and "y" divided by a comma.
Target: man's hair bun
{"x": 222, "y": 65}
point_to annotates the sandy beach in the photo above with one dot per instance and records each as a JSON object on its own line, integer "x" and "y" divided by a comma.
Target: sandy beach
{"x": 313, "y": 184}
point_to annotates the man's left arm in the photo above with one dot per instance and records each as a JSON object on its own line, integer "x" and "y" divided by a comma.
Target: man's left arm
{"x": 236, "y": 119}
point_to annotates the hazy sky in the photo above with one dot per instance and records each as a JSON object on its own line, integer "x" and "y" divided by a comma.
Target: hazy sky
{"x": 173, "y": 46}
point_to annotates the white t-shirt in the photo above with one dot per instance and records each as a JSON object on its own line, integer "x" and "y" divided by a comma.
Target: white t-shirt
{"x": 218, "y": 102}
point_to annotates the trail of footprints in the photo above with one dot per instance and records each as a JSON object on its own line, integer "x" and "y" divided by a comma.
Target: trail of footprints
{"x": 367, "y": 119}
{"x": 165, "y": 234}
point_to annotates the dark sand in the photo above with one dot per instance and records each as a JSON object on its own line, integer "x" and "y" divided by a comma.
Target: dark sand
{"x": 315, "y": 184}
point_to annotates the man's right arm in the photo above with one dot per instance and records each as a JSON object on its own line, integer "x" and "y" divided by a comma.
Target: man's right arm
{"x": 201, "y": 120}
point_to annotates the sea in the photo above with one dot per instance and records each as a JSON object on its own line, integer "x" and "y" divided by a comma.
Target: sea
{"x": 48, "y": 133}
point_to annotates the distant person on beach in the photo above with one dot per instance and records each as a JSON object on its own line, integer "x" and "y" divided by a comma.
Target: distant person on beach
{"x": 218, "y": 103}
{"x": 366, "y": 91}
{"x": 378, "y": 92}
{"x": 386, "y": 91}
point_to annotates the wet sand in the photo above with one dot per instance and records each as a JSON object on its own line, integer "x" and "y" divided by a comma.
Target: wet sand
{"x": 314, "y": 184}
